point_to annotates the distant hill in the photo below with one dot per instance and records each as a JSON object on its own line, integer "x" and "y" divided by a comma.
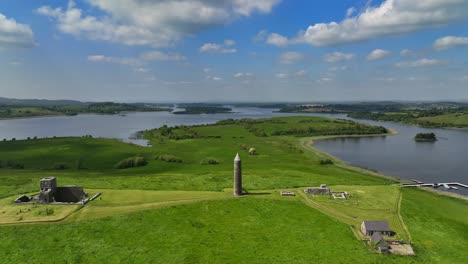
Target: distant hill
{"x": 37, "y": 102}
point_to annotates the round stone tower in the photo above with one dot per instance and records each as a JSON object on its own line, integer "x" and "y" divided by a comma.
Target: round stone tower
{"x": 237, "y": 176}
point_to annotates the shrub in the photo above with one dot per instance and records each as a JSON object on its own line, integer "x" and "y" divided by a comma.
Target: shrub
{"x": 252, "y": 151}
{"x": 131, "y": 163}
{"x": 326, "y": 162}
{"x": 170, "y": 158}
{"x": 209, "y": 161}
{"x": 60, "y": 166}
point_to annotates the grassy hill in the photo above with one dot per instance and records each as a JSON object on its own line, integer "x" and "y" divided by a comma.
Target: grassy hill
{"x": 178, "y": 208}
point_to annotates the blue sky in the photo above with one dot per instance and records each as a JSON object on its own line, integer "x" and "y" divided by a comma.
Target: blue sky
{"x": 234, "y": 50}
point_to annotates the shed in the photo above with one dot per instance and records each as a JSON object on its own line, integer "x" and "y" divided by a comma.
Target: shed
{"x": 379, "y": 243}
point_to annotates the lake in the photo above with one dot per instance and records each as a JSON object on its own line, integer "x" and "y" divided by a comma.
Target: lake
{"x": 399, "y": 155}
{"x": 445, "y": 160}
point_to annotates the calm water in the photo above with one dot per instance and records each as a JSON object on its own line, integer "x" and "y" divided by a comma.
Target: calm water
{"x": 399, "y": 156}
{"x": 443, "y": 161}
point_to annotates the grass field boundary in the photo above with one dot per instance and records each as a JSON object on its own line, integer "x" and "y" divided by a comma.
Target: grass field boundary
{"x": 402, "y": 223}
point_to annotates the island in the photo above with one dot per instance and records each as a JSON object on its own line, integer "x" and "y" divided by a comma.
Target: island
{"x": 425, "y": 137}
{"x": 176, "y": 201}
{"x": 24, "y": 108}
{"x": 198, "y": 110}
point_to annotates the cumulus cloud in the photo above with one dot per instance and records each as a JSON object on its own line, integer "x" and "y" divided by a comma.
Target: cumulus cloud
{"x": 218, "y": 48}
{"x": 338, "y": 56}
{"x": 378, "y": 54}
{"x": 291, "y": 57}
{"x": 450, "y": 42}
{"x": 277, "y": 40}
{"x": 13, "y": 34}
{"x": 151, "y": 23}
{"x": 391, "y": 17}
{"x": 420, "y": 63}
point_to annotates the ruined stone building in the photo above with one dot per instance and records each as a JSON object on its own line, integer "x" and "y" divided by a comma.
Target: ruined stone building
{"x": 50, "y": 193}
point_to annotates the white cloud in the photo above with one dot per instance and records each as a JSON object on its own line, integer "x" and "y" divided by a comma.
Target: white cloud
{"x": 325, "y": 80}
{"x": 261, "y": 36}
{"x": 378, "y": 54}
{"x": 350, "y": 11}
{"x": 341, "y": 68}
{"x": 216, "y": 48}
{"x": 206, "y": 70}
{"x": 391, "y": 17}
{"x": 290, "y": 57}
{"x": 160, "y": 56}
{"x": 338, "y": 56}
{"x": 13, "y": 34}
{"x": 214, "y": 78}
{"x": 229, "y": 42}
{"x": 142, "y": 70}
{"x": 282, "y": 75}
{"x": 151, "y": 23}
{"x": 407, "y": 53}
{"x": 246, "y": 7}
{"x": 277, "y": 40}
{"x": 300, "y": 73}
{"x": 243, "y": 75}
{"x": 450, "y": 42}
{"x": 138, "y": 61}
{"x": 464, "y": 78}
{"x": 420, "y": 63}
{"x": 117, "y": 60}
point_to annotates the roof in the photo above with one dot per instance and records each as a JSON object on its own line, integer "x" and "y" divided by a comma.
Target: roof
{"x": 376, "y": 237}
{"x": 237, "y": 158}
{"x": 377, "y": 226}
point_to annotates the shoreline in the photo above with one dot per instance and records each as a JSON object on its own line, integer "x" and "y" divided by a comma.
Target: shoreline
{"x": 401, "y": 123}
{"x": 308, "y": 143}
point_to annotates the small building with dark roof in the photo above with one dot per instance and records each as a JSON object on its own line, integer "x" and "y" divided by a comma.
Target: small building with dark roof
{"x": 378, "y": 242}
{"x": 368, "y": 228}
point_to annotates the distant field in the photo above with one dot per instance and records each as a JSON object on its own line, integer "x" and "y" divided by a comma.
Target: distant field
{"x": 25, "y": 112}
{"x": 458, "y": 119}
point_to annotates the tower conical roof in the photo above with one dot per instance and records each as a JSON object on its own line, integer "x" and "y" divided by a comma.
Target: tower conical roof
{"x": 237, "y": 158}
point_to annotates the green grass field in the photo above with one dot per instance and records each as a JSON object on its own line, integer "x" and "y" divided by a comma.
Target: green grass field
{"x": 183, "y": 212}
{"x": 457, "y": 119}
{"x": 365, "y": 203}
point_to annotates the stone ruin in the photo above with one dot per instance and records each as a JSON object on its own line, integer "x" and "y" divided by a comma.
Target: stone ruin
{"x": 325, "y": 190}
{"x": 322, "y": 190}
{"x": 50, "y": 193}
